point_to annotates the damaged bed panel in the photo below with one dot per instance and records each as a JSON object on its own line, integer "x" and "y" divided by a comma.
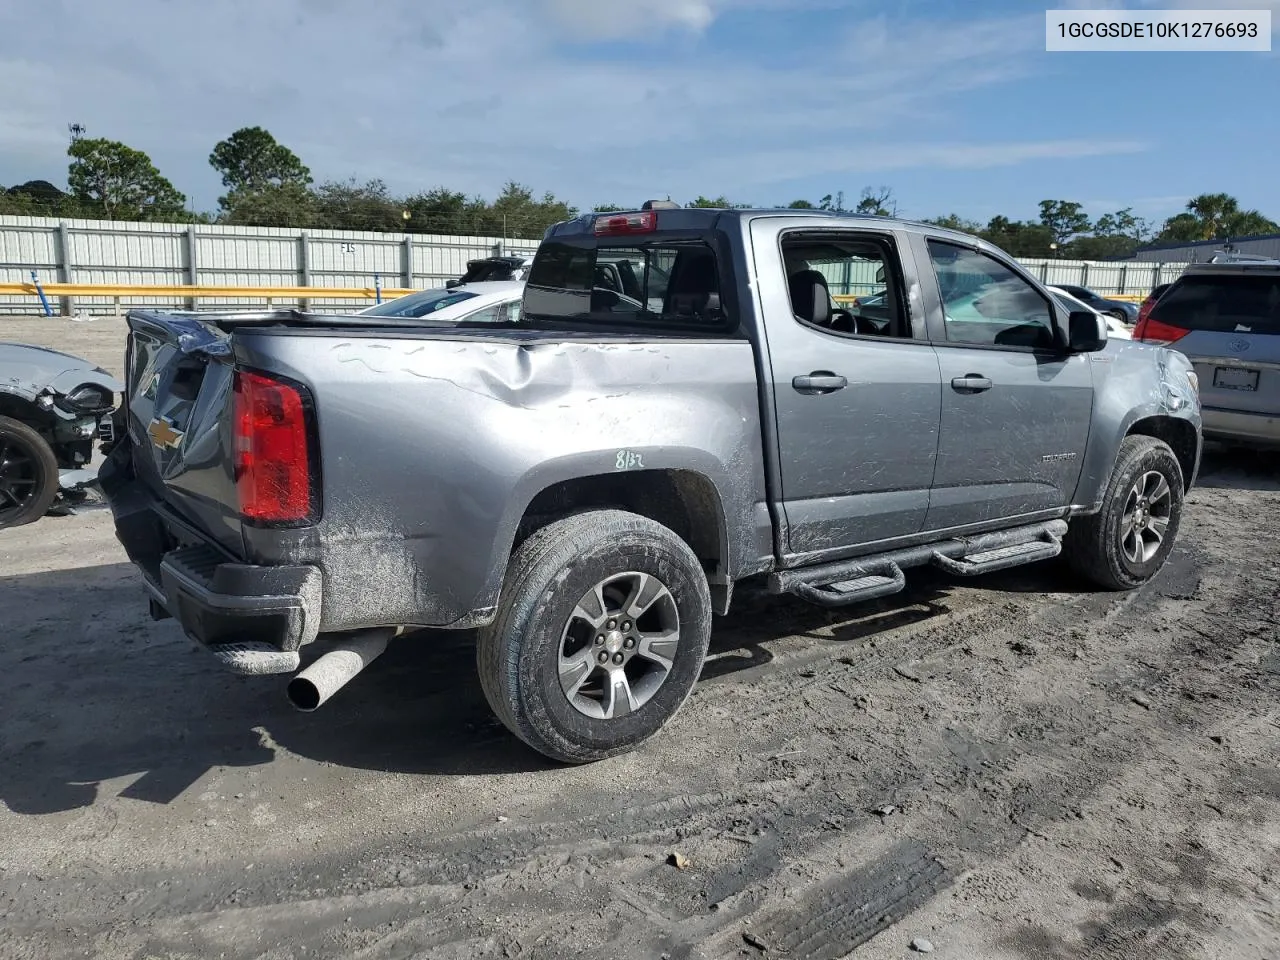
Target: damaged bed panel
{"x": 179, "y": 422}
{"x": 435, "y": 447}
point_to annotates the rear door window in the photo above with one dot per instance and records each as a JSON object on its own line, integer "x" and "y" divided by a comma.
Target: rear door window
{"x": 846, "y": 283}
{"x": 672, "y": 284}
{"x": 1230, "y": 303}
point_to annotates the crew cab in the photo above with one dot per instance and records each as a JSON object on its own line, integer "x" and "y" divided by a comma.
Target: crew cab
{"x": 680, "y": 410}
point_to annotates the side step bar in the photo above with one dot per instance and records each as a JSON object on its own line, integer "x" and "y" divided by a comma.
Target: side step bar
{"x": 879, "y": 580}
{"x": 1001, "y": 558}
{"x": 866, "y": 578}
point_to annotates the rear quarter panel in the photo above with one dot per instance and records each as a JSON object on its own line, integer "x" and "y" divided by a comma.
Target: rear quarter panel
{"x": 432, "y": 448}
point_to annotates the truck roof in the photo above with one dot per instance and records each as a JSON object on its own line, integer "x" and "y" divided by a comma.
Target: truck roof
{"x": 708, "y": 218}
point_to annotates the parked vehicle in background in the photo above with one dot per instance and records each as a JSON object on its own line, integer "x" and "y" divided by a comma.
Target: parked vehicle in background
{"x": 492, "y": 269}
{"x": 1116, "y": 329}
{"x": 487, "y": 302}
{"x": 53, "y": 408}
{"x": 680, "y": 410}
{"x": 1226, "y": 318}
{"x": 1150, "y": 301}
{"x": 1122, "y": 310}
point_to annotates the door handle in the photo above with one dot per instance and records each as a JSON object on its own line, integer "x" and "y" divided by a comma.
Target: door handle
{"x": 820, "y": 381}
{"x": 971, "y": 383}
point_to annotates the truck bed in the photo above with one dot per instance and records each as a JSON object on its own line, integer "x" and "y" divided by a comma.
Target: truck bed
{"x": 409, "y": 497}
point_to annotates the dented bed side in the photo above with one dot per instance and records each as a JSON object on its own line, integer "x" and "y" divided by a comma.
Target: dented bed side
{"x": 433, "y": 446}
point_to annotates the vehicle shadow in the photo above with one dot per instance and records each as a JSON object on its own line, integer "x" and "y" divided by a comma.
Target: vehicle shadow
{"x": 92, "y": 691}
{"x": 1239, "y": 468}
{"x": 738, "y": 642}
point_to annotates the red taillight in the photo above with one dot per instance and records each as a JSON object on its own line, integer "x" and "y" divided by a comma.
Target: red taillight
{"x": 1145, "y": 309}
{"x": 614, "y": 224}
{"x": 1153, "y": 331}
{"x": 272, "y": 462}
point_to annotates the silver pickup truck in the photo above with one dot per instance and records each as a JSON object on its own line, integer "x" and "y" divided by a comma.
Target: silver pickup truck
{"x": 690, "y": 400}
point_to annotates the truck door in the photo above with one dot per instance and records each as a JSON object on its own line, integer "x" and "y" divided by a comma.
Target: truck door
{"x": 1016, "y": 406}
{"x": 855, "y": 382}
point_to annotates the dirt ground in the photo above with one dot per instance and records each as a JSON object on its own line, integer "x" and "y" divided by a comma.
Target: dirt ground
{"x": 1014, "y": 767}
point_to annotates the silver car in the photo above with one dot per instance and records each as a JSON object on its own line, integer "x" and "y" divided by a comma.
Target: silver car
{"x": 54, "y": 407}
{"x": 1225, "y": 317}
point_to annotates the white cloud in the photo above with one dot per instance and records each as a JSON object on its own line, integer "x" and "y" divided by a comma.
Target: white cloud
{"x": 600, "y": 20}
{"x": 636, "y": 19}
{"x": 906, "y": 155}
{"x": 471, "y": 93}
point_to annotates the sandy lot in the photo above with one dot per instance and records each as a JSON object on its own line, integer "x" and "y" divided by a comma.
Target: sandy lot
{"x": 1058, "y": 773}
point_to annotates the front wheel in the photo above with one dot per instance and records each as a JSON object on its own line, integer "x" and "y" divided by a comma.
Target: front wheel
{"x": 28, "y": 474}
{"x": 601, "y": 633}
{"x": 1127, "y": 542}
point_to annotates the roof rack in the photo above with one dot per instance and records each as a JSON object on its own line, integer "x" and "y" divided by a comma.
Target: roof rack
{"x": 1230, "y": 257}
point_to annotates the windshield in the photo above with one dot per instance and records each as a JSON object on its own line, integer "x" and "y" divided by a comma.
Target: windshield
{"x": 1080, "y": 293}
{"x": 1226, "y": 303}
{"x": 419, "y": 304}
{"x": 1071, "y": 303}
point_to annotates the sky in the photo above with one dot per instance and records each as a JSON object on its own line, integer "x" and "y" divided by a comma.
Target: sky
{"x": 954, "y": 104}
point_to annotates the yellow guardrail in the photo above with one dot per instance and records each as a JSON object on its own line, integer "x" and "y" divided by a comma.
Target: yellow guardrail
{"x": 126, "y": 291}
{"x": 1129, "y": 297}
{"x": 121, "y": 292}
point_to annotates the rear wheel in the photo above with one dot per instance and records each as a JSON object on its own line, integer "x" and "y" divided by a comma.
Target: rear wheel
{"x": 28, "y": 474}
{"x": 601, "y": 632}
{"x": 1127, "y": 542}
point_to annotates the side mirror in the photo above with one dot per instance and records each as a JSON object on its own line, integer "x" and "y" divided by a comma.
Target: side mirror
{"x": 880, "y": 276}
{"x": 1086, "y": 332}
{"x": 450, "y": 284}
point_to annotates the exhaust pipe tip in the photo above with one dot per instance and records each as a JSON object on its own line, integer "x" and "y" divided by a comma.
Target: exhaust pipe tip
{"x": 304, "y": 694}
{"x": 311, "y": 688}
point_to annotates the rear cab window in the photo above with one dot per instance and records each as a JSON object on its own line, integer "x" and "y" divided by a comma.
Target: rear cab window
{"x": 669, "y": 280}
{"x": 1222, "y": 303}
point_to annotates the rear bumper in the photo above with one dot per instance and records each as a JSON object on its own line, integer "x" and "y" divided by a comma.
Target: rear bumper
{"x": 1222, "y": 424}
{"x": 219, "y": 601}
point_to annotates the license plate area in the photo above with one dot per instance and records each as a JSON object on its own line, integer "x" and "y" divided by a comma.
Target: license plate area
{"x": 1235, "y": 378}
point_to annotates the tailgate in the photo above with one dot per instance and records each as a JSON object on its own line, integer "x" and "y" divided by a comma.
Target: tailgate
{"x": 1237, "y": 371}
{"x": 179, "y": 393}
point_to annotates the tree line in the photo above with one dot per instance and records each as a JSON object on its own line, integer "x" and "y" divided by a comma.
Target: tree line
{"x": 267, "y": 184}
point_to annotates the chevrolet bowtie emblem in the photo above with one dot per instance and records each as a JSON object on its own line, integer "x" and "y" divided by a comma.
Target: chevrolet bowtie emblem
{"x": 163, "y": 435}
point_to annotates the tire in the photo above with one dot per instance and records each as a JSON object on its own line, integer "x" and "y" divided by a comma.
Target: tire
{"x": 547, "y": 620}
{"x": 28, "y": 474}
{"x": 1101, "y": 548}
{"x": 1119, "y": 315}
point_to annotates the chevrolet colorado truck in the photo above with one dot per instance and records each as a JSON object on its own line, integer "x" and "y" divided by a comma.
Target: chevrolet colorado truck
{"x": 586, "y": 486}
